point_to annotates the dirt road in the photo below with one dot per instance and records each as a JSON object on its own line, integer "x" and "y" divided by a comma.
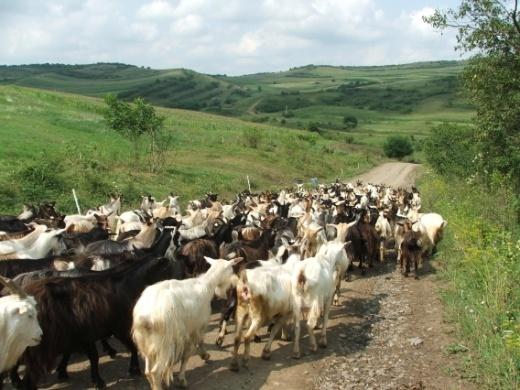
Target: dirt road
{"x": 388, "y": 333}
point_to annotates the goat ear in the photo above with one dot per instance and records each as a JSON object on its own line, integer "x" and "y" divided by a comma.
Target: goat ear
{"x": 236, "y": 260}
{"x": 210, "y": 260}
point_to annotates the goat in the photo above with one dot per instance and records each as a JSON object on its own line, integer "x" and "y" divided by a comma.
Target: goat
{"x": 411, "y": 248}
{"x": 170, "y": 320}
{"x": 264, "y": 294}
{"x": 75, "y": 312}
{"x": 19, "y": 327}
{"x": 313, "y": 285}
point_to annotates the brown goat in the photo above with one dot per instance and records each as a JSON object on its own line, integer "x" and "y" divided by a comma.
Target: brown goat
{"x": 411, "y": 249}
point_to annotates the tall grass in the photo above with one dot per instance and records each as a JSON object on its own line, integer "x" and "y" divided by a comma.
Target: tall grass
{"x": 480, "y": 255}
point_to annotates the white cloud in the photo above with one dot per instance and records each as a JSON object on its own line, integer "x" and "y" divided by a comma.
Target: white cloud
{"x": 220, "y": 36}
{"x": 156, "y": 9}
{"x": 417, "y": 23}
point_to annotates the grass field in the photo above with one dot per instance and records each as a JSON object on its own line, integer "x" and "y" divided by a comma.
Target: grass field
{"x": 406, "y": 99}
{"x": 53, "y": 142}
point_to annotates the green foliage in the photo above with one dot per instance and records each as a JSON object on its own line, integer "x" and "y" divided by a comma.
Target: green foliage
{"x": 491, "y": 28}
{"x": 480, "y": 257}
{"x": 314, "y": 127}
{"x": 40, "y": 179}
{"x": 451, "y": 150}
{"x": 397, "y": 146}
{"x": 133, "y": 121}
{"x": 350, "y": 121}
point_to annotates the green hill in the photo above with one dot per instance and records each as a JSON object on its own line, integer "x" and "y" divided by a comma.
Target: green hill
{"x": 53, "y": 142}
{"x": 398, "y": 99}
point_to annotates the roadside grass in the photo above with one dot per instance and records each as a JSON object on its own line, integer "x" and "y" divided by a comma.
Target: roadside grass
{"x": 480, "y": 255}
{"x": 53, "y": 142}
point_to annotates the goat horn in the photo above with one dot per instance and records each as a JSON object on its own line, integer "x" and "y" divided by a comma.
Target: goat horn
{"x": 15, "y": 289}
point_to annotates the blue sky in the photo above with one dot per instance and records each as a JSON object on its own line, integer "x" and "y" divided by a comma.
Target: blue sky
{"x": 222, "y": 36}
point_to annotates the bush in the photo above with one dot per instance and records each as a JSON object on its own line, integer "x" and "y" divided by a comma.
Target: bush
{"x": 397, "y": 146}
{"x": 450, "y": 150}
{"x": 350, "y": 121}
{"x": 314, "y": 127}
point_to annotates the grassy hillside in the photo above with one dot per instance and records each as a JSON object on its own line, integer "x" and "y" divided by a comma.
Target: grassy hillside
{"x": 53, "y": 142}
{"x": 405, "y": 99}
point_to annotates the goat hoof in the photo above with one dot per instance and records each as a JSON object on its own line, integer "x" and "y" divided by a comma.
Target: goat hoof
{"x": 296, "y": 355}
{"x": 416, "y": 277}
{"x": 245, "y": 363}
{"x": 219, "y": 341}
{"x": 233, "y": 366}
{"x": 257, "y": 339}
{"x": 100, "y": 384}
{"x": 205, "y": 356}
{"x": 323, "y": 343}
{"x": 266, "y": 355}
{"x": 183, "y": 383}
{"x": 134, "y": 371}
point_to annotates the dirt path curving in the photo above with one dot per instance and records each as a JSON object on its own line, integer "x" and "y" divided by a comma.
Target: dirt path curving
{"x": 371, "y": 338}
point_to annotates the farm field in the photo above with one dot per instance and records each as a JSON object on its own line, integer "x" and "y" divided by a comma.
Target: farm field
{"x": 53, "y": 142}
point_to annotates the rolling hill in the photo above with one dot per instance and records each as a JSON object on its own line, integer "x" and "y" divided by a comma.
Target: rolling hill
{"x": 405, "y": 99}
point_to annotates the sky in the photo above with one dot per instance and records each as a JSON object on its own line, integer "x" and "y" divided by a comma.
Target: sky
{"x": 222, "y": 36}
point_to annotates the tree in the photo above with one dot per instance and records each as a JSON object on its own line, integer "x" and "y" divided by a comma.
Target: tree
{"x": 133, "y": 121}
{"x": 451, "y": 150}
{"x": 350, "y": 121}
{"x": 492, "y": 30}
{"x": 397, "y": 146}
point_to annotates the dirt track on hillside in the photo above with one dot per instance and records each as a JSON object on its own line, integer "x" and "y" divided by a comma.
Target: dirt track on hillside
{"x": 370, "y": 338}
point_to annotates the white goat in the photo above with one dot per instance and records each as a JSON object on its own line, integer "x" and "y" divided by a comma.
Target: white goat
{"x": 170, "y": 319}
{"x": 45, "y": 242}
{"x": 313, "y": 285}
{"x": 264, "y": 294}
{"x": 19, "y": 326}
{"x": 384, "y": 230}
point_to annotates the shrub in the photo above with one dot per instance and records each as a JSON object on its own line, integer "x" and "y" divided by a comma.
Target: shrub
{"x": 451, "y": 149}
{"x": 350, "y": 121}
{"x": 314, "y": 127}
{"x": 397, "y": 146}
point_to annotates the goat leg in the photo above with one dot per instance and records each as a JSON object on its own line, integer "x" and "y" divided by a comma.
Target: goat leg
{"x": 240, "y": 319}
{"x": 93, "y": 358}
{"x": 62, "y": 367}
{"x": 15, "y": 378}
{"x": 133, "y": 369}
{"x": 228, "y": 312}
{"x": 108, "y": 348}
{"x": 266, "y": 352}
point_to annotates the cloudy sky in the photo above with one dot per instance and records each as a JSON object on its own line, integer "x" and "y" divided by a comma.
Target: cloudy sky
{"x": 222, "y": 36}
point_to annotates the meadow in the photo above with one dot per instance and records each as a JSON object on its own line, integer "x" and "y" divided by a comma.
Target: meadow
{"x": 53, "y": 142}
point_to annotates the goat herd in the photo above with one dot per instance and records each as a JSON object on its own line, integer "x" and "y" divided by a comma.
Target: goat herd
{"x": 148, "y": 276}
